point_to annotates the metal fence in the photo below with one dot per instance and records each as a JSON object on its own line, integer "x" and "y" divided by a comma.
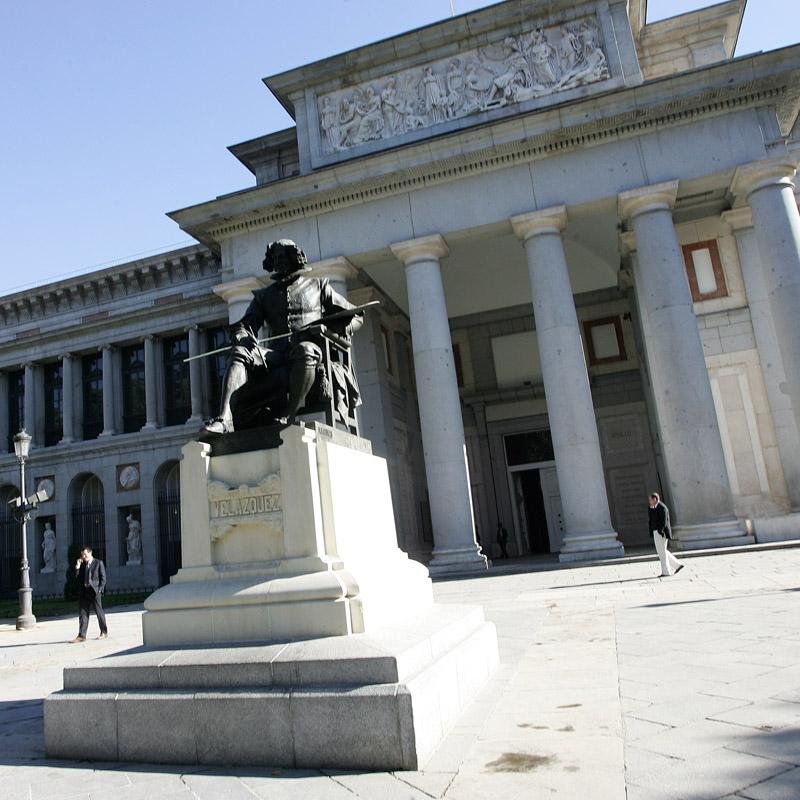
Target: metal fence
{"x": 10, "y": 554}
{"x": 89, "y": 528}
{"x": 169, "y": 534}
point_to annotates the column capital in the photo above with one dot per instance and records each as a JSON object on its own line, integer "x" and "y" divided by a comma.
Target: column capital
{"x": 536, "y": 223}
{"x": 239, "y": 289}
{"x": 777, "y": 171}
{"x": 657, "y": 197}
{"x": 66, "y": 356}
{"x": 426, "y": 248}
{"x": 104, "y": 347}
{"x": 337, "y": 268}
{"x": 738, "y": 218}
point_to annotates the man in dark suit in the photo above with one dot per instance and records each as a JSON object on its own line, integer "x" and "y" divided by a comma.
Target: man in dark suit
{"x": 658, "y": 520}
{"x": 91, "y": 575}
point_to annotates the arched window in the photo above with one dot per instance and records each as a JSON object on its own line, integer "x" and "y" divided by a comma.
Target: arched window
{"x": 88, "y": 515}
{"x": 168, "y": 505}
{"x": 10, "y": 543}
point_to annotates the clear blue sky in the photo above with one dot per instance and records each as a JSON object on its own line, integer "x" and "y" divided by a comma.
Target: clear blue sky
{"x": 113, "y": 112}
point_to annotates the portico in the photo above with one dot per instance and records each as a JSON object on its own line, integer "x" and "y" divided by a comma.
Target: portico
{"x": 565, "y": 264}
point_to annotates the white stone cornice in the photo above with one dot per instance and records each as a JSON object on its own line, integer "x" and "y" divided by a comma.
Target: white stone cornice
{"x": 658, "y": 197}
{"x": 338, "y": 268}
{"x": 738, "y": 218}
{"x": 778, "y": 171}
{"x": 536, "y": 223}
{"x": 239, "y": 289}
{"x": 426, "y": 248}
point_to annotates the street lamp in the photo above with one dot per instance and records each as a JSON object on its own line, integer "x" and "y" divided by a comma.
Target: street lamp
{"x": 25, "y": 620}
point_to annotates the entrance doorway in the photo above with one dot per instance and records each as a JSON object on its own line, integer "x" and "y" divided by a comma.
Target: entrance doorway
{"x": 533, "y": 483}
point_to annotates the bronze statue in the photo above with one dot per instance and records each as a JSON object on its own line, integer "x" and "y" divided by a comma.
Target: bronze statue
{"x": 270, "y": 384}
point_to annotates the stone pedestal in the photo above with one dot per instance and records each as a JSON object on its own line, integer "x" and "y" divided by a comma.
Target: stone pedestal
{"x": 296, "y": 633}
{"x": 285, "y": 543}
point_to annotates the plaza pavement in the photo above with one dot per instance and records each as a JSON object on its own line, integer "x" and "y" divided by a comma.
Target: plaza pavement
{"x": 613, "y": 683}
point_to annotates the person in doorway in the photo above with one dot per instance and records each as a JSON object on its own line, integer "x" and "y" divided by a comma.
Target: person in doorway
{"x": 91, "y": 575}
{"x": 502, "y": 539}
{"x": 658, "y": 519}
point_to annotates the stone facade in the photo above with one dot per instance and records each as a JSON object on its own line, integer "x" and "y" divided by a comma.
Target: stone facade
{"x": 590, "y": 292}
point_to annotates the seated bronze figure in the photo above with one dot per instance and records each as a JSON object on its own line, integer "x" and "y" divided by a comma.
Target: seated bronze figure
{"x": 304, "y": 364}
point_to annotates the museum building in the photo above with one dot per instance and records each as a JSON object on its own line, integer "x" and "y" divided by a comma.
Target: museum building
{"x": 584, "y": 232}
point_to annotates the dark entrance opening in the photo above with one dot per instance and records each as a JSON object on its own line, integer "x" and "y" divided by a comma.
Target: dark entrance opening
{"x": 168, "y": 504}
{"x": 530, "y": 486}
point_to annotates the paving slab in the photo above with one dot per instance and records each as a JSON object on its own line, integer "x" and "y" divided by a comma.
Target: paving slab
{"x": 613, "y": 683}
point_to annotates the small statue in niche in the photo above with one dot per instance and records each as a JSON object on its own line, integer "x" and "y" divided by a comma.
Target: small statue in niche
{"x": 134, "y": 540}
{"x": 48, "y": 549}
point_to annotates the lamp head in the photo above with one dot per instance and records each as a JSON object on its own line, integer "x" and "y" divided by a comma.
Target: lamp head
{"x": 22, "y": 444}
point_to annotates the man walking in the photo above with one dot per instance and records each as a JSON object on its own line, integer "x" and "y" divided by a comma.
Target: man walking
{"x": 91, "y": 575}
{"x": 658, "y": 518}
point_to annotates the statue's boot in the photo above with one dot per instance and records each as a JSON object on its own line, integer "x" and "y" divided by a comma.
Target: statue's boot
{"x": 235, "y": 378}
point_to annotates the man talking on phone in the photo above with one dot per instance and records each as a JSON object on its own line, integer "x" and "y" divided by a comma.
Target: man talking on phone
{"x": 91, "y": 575}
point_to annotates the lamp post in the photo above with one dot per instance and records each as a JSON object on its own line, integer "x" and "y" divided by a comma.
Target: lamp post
{"x": 25, "y": 620}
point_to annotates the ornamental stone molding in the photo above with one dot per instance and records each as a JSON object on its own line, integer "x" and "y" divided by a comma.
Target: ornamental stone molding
{"x": 426, "y": 248}
{"x": 658, "y": 197}
{"x": 749, "y": 178}
{"x": 337, "y": 268}
{"x": 239, "y": 289}
{"x": 537, "y": 223}
{"x": 115, "y": 283}
{"x": 537, "y": 63}
{"x": 739, "y": 218}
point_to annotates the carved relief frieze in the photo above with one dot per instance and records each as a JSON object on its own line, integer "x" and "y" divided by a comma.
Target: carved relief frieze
{"x": 536, "y": 64}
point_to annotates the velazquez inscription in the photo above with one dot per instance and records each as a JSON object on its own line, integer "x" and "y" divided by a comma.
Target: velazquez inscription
{"x": 228, "y": 505}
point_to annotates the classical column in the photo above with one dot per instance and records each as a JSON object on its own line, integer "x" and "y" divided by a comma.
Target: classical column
{"x": 68, "y": 408}
{"x": 238, "y": 294}
{"x": 108, "y": 391}
{"x": 195, "y": 377}
{"x": 150, "y": 390}
{"x": 4, "y": 432}
{"x": 338, "y": 270}
{"x": 29, "y": 403}
{"x": 455, "y": 548}
{"x": 740, "y": 221}
{"x": 588, "y": 532}
{"x": 702, "y": 503}
{"x": 769, "y": 189}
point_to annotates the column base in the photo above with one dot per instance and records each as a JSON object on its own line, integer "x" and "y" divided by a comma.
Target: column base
{"x": 149, "y": 426}
{"x": 25, "y": 622}
{"x": 777, "y": 529}
{"x": 725, "y": 533}
{"x": 105, "y": 434}
{"x": 591, "y": 546}
{"x": 457, "y": 561}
